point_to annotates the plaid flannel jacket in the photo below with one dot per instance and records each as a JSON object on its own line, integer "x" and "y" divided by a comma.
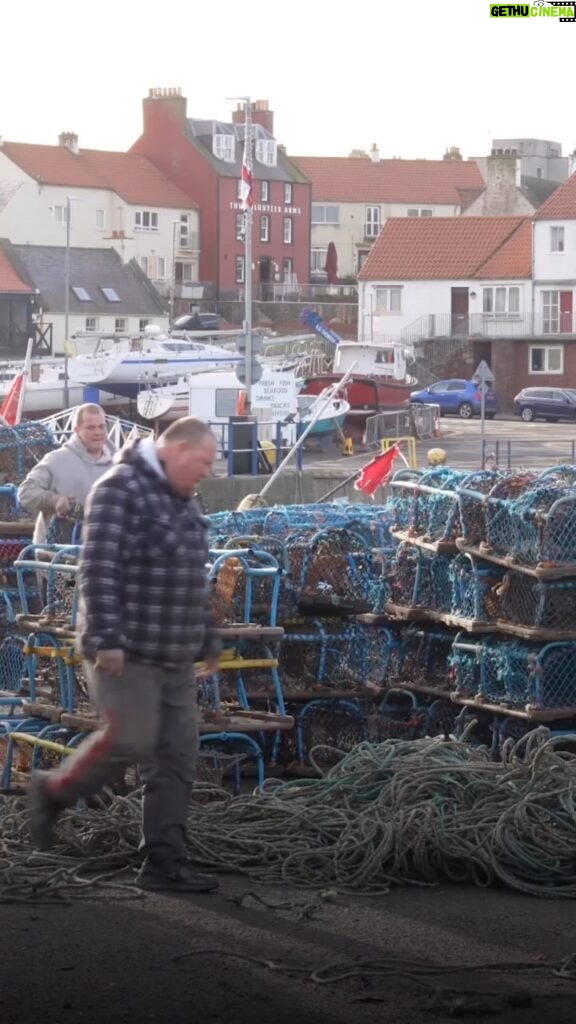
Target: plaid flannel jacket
{"x": 143, "y": 579}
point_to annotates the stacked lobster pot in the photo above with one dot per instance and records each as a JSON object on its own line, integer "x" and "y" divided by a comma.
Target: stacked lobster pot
{"x": 332, "y": 661}
{"x": 492, "y": 556}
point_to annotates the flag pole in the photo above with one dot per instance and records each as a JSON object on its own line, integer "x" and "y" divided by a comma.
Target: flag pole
{"x": 328, "y": 397}
{"x": 249, "y": 199}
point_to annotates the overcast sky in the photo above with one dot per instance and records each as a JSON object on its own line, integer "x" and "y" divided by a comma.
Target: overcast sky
{"x": 413, "y": 76}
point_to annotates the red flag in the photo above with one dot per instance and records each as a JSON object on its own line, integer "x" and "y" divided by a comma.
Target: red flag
{"x": 246, "y": 183}
{"x": 377, "y": 472}
{"x": 10, "y": 408}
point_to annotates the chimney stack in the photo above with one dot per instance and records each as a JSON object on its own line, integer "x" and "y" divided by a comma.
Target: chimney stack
{"x": 260, "y": 115}
{"x": 69, "y": 141}
{"x": 452, "y": 154}
{"x": 162, "y": 105}
{"x": 374, "y": 153}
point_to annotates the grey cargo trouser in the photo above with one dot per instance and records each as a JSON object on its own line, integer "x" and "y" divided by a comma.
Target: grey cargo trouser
{"x": 150, "y": 718}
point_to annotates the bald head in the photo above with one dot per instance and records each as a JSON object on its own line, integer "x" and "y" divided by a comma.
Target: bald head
{"x": 187, "y": 449}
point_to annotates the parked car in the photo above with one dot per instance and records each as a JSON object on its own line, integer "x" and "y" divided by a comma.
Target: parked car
{"x": 198, "y": 322}
{"x": 458, "y": 398}
{"x": 551, "y": 404}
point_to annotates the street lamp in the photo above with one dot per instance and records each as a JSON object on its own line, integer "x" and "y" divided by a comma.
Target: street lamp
{"x": 69, "y": 200}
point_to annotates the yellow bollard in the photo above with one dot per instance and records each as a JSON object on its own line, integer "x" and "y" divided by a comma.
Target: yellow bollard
{"x": 348, "y": 447}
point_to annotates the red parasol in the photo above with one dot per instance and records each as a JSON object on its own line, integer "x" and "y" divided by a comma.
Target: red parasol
{"x": 331, "y": 265}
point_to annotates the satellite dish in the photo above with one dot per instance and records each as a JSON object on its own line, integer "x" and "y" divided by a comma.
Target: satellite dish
{"x": 152, "y": 406}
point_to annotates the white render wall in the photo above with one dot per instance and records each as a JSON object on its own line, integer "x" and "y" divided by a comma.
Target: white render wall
{"x": 77, "y": 324}
{"x": 422, "y": 298}
{"x": 554, "y": 266}
{"x": 27, "y": 220}
{"x": 348, "y": 235}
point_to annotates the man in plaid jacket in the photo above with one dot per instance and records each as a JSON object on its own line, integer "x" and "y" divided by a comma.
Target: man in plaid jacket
{"x": 144, "y": 620}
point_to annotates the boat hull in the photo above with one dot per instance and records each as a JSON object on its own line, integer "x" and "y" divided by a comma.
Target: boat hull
{"x": 38, "y": 399}
{"x": 367, "y": 396}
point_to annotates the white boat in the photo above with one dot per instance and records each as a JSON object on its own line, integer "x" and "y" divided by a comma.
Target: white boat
{"x": 45, "y": 388}
{"x": 216, "y": 396}
{"x": 124, "y": 365}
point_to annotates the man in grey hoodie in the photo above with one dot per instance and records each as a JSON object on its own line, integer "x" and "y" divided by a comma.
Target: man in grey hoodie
{"x": 63, "y": 478}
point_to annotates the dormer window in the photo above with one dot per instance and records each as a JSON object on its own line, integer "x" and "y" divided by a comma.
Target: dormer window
{"x": 266, "y": 152}
{"x": 223, "y": 147}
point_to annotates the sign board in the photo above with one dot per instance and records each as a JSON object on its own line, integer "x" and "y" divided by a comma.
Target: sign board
{"x": 256, "y": 372}
{"x": 483, "y": 371}
{"x": 277, "y": 392}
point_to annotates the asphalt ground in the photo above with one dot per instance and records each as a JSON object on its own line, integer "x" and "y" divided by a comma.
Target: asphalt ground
{"x": 108, "y": 962}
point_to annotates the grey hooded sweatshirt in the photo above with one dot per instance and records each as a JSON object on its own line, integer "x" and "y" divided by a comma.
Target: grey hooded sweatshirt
{"x": 70, "y": 471}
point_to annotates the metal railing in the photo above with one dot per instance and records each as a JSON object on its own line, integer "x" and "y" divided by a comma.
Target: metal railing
{"x": 489, "y": 325}
{"x": 417, "y": 421}
{"x": 251, "y": 447}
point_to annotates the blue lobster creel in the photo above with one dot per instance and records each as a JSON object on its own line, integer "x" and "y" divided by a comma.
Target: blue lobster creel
{"x": 22, "y": 447}
{"x": 500, "y": 502}
{"x": 435, "y": 516}
{"x": 411, "y": 576}
{"x": 472, "y": 504}
{"x": 398, "y": 716}
{"x": 507, "y": 667}
{"x": 10, "y": 509}
{"x": 337, "y": 563}
{"x": 12, "y": 663}
{"x": 336, "y": 725}
{"x": 545, "y": 526}
{"x": 372, "y": 522}
{"x": 472, "y": 584}
{"x": 553, "y": 676}
{"x": 440, "y": 588}
{"x": 465, "y": 667}
{"x": 245, "y": 586}
{"x": 561, "y": 476}
{"x": 402, "y": 500}
{"x": 230, "y": 524}
{"x": 381, "y": 586}
{"x": 367, "y": 654}
{"x": 536, "y": 604}
{"x": 421, "y": 657}
{"x": 344, "y": 654}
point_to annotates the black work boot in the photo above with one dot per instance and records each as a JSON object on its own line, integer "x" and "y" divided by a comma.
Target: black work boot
{"x": 44, "y": 812}
{"x": 173, "y": 876}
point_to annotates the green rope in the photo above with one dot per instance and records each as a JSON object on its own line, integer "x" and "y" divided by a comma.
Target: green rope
{"x": 400, "y": 812}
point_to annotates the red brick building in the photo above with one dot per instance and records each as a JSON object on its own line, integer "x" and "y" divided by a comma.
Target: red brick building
{"x": 204, "y": 158}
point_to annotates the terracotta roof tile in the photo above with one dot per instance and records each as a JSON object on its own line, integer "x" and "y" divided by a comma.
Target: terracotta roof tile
{"x": 440, "y": 248}
{"x": 9, "y": 280}
{"x": 513, "y": 259}
{"x": 359, "y": 180}
{"x": 561, "y": 204}
{"x": 133, "y": 177}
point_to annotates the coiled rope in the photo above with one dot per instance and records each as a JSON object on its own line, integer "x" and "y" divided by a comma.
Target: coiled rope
{"x": 399, "y": 812}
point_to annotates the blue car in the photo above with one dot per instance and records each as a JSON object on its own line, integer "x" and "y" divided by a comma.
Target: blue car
{"x": 458, "y": 398}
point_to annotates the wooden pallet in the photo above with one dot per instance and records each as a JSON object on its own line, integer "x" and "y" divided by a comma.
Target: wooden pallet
{"x": 437, "y": 547}
{"x": 536, "y": 632}
{"x": 246, "y": 721}
{"x": 539, "y": 572}
{"x": 250, "y": 631}
{"x": 23, "y": 528}
{"x": 35, "y": 709}
{"x": 528, "y": 713}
